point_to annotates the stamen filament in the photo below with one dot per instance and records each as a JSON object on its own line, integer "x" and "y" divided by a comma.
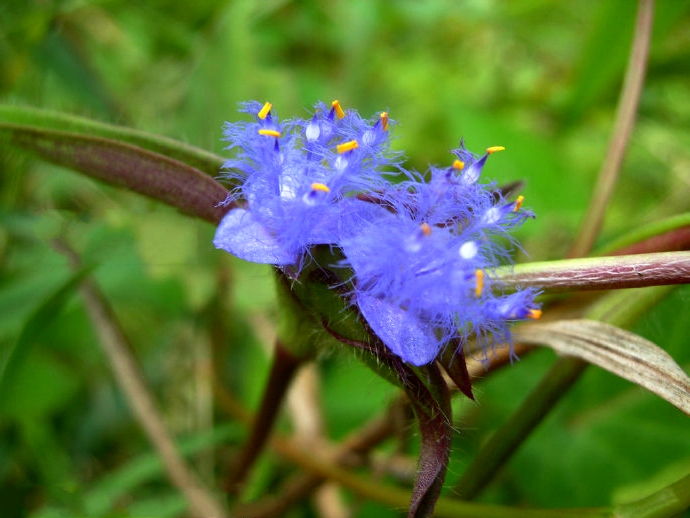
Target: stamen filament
{"x": 347, "y": 146}
{"x": 338, "y": 109}
{"x": 269, "y": 132}
{"x": 479, "y": 283}
{"x": 264, "y": 111}
{"x": 494, "y": 149}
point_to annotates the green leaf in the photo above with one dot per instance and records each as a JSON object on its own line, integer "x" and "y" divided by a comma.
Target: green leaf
{"x": 603, "y": 57}
{"x": 118, "y": 156}
{"x": 44, "y": 387}
{"x": 101, "y": 497}
{"x": 19, "y": 118}
{"x": 665, "y": 235}
{"x": 619, "y": 351}
{"x": 41, "y": 318}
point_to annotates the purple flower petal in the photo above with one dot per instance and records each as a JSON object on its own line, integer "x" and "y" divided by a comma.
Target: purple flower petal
{"x": 241, "y": 235}
{"x": 402, "y": 332}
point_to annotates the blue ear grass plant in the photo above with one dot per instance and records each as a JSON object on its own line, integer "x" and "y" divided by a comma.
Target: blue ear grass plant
{"x": 421, "y": 254}
{"x": 412, "y": 273}
{"x": 413, "y": 255}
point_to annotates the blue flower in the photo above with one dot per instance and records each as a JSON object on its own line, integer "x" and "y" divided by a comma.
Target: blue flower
{"x": 421, "y": 250}
{"x": 298, "y": 180}
{"x": 422, "y": 271}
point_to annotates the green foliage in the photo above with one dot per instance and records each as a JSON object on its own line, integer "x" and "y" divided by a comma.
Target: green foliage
{"x": 540, "y": 78}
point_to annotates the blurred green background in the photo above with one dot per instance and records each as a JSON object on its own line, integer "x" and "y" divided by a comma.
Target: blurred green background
{"x": 538, "y": 77}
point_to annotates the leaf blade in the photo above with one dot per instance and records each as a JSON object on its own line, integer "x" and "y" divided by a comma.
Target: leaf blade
{"x": 126, "y": 165}
{"x": 619, "y": 351}
{"x": 22, "y": 118}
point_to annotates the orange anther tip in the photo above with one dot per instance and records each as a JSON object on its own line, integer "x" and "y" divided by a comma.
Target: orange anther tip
{"x": 518, "y": 203}
{"x": 534, "y": 314}
{"x": 320, "y": 187}
{"x": 269, "y": 133}
{"x": 495, "y": 149}
{"x": 264, "y": 111}
{"x": 384, "y": 120}
{"x": 347, "y": 146}
{"x": 338, "y": 109}
{"x": 459, "y": 165}
{"x": 426, "y": 229}
{"x": 479, "y": 279}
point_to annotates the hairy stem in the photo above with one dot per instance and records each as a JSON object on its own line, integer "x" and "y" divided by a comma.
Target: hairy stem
{"x": 600, "y": 273}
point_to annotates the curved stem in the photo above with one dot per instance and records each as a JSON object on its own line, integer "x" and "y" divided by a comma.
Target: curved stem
{"x": 302, "y": 484}
{"x": 319, "y": 465}
{"x": 625, "y": 119}
{"x": 283, "y": 371}
{"x": 517, "y": 428}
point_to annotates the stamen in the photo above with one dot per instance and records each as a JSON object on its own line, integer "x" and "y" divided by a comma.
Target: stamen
{"x": 479, "y": 282}
{"x": 269, "y": 132}
{"x": 347, "y": 146}
{"x": 459, "y": 165}
{"x": 320, "y": 187}
{"x": 338, "y": 109}
{"x": 264, "y": 111}
{"x": 518, "y": 203}
{"x": 426, "y": 229}
{"x": 534, "y": 314}
{"x": 384, "y": 120}
{"x": 494, "y": 149}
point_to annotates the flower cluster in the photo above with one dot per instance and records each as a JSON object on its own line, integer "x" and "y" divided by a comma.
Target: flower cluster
{"x": 421, "y": 249}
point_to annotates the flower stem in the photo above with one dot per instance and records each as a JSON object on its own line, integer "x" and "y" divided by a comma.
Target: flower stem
{"x": 283, "y": 370}
{"x": 562, "y": 375}
{"x": 320, "y": 465}
{"x": 600, "y": 273}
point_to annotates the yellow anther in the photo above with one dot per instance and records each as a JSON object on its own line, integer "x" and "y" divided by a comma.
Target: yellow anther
{"x": 384, "y": 120}
{"x": 320, "y": 187}
{"x": 534, "y": 314}
{"x": 459, "y": 165}
{"x": 338, "y": 109}
{"x": 347, "y": 146}
{"x": 263, "y": 112}
{"x": 479, "y": 282}
{"x": 426, "y": 229}
{"x": 270, "y": 133}
{"x": 518, "y": 203}
{"x": 494, "y": 149}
